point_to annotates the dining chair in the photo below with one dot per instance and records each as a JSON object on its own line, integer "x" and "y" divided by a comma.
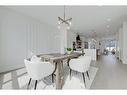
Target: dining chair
{"x": 38, "y": 71}
{"x": 34, "y": 58}
{"x": 81, "y": 65}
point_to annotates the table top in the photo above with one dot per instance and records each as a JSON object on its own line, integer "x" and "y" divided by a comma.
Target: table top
{"x": 58, "y": 56}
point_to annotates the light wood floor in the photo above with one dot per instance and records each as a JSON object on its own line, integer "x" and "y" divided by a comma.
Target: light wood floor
{"x": 112, "y": 74}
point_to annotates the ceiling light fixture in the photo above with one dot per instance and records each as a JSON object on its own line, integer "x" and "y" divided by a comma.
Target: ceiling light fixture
{"x": 64, "y": 21}
{"x": 108, "y": 26}
{"x": 109, "y": 19}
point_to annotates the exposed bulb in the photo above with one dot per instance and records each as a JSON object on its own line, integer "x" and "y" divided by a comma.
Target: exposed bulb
{"x": 58, "y": 22}
{"x": 70, "y": 23}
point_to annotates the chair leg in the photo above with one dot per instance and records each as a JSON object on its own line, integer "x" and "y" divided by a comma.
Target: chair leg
{"x": 52, "y": 78}
{"x": 88, "y": 74}
{"x": 35, "y": 85}
{"x": 76, "y": 72}
{"x": 70, "y": 73}
{"x": 84, "y": 79}
{"x": 68, "y": 61}
{"x": 29, "y": 83}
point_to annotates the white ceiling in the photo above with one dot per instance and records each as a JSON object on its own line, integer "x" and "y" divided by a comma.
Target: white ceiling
{"x": 85, "y": 19}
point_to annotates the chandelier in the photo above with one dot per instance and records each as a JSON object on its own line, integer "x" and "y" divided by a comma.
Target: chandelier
{"x": 65, "y": 21}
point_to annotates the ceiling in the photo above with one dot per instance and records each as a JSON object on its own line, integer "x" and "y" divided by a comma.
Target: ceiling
{"x": 103, "y": 20}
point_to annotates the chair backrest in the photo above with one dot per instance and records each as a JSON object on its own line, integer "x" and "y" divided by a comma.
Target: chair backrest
{"x": 81, "y": 64}
{"x": 39, "y": 70}
{"x": 34, "y": 58}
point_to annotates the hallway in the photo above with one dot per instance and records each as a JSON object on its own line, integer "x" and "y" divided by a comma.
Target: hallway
{"x": 112, "y": 74}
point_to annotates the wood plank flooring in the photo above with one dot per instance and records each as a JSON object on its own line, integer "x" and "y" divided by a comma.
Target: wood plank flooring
{"x": 112, "y": 74}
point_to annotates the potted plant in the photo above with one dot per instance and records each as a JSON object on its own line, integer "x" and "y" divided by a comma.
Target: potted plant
{"x": 69, "y": 50}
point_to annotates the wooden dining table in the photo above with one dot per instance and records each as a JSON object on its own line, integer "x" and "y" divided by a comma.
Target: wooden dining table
{"x": 58, "y": 59}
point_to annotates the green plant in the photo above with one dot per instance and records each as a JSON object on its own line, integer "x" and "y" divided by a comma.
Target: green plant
{"x": 69, "y": 49}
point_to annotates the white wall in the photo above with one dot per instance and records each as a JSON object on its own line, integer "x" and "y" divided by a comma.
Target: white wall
{"x": 124, "y": 42}
{"x": 71, "y": 36}
{"x": 103, "y": 46}
{"x": 19, "y": 35}
{"x": 120, "y": 44}
{"x": 63, "y": 38}
{"x": 117, "y": 45}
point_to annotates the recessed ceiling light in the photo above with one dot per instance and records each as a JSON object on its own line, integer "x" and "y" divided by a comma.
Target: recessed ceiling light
{"x": 100, "y": 5}
{"x": 108, "y": 26}
{"x": 108, "y": 19}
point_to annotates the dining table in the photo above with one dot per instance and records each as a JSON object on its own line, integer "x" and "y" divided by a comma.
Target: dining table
{"x": 58, "y": 59}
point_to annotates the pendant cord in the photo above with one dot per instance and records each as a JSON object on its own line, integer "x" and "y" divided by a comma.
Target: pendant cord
{"x": 64, "y": 12}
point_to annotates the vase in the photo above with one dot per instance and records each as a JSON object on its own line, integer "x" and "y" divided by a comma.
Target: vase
{"x": 68, "y": 52}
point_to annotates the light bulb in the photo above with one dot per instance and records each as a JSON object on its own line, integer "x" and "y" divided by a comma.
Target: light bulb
{"x": 58, "y": 22}
{"x": 70, "y": 23}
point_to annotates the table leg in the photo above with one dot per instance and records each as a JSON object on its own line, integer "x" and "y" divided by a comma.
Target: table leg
{"x": 58, "y": 76}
